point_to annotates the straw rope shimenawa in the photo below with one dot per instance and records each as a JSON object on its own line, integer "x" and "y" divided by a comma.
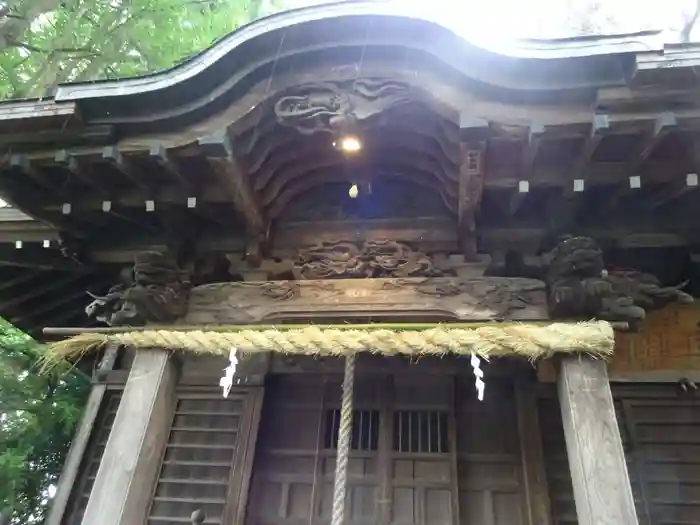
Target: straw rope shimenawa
{"x": 533, "y": 341}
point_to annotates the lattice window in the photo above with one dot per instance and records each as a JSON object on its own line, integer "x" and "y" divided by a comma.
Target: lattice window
{"x": 420, "y": 431}
{"x": 365, "y": 429}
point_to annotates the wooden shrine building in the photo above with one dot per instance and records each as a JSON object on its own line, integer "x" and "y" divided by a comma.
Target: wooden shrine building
{"x": 359, "y": 168}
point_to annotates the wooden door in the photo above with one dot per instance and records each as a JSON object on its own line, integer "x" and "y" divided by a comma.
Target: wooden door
{"x": 424, "y": 452}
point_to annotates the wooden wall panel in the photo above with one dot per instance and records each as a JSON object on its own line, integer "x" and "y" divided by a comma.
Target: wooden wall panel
{"x": 204, "y": 464}
{"x": 660, "y": 430}
{"x": 78, "y": 499}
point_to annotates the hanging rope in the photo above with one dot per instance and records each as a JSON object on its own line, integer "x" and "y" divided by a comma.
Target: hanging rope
{"x": 343, "y": 449}
{"x": 496, "y": 339}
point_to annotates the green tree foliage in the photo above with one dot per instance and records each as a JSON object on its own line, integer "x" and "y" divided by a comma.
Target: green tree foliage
{"x": 38, "y": 415}
{"x": 48, "y": 42}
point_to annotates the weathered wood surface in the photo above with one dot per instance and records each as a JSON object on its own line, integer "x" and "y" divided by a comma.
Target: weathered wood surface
{"x": 536, "y": 495}
{"x": 80, "y": 441}
{"x": 666, "y": 349}
{"x": 669, "y": 341}
{"x": 122, "y": 488}
{"x": 443, "y": 297}
{"x": 602, "y": 489}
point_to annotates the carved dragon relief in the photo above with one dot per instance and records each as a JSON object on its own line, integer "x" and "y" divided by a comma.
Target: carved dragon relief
{"x": 330, "y": 107}
{"x": 580, "y": 287}
{"x": 155, "y": 290}
{"x": 370, "y": 259}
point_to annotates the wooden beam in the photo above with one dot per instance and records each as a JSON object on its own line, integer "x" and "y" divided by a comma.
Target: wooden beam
{"x": 602, "y": 489}
{"x": 78, "y": 170}
{"x": 129, "y": 466}
{"x": 664, "y": 124}
{"x": 71, "y": 468}
{"x": 20, "y": 163}
{"x": 219, "y": 149}
{"x": 518, "y": 196}
{"x": 534, "y": 140}
{"x": 537, "y": 503}
{"x": 522, "y": 190}
{"x": 600, "y": 126}
{"x": 472, "y": 128}
{"x": 673, "y": 190}
{"x": 474, "y": 299}
{"x": 38, "y": 258}
{"x": 50, "y": 306}
{"x": 471, "y": 188}
{"x": 114, "y": 158}
{"x": 37, "y": 291}
{"x": 27, "y": 276}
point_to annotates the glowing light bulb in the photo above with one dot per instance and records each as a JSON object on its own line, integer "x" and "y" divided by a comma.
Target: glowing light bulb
{"x": 350, "y": 144}
{"x": 353, "y": 191}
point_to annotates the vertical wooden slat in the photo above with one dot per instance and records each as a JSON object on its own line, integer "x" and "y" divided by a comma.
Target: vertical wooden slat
{"x": 452, "y": 450}
{"x": 536, "y": 492}
{"x": 386, "y": 440}
{"x": 120, "y": 495}
{"x": 245, "y": 454}
{"x": 602, "y": 489}
{"x": 79, "y": 444}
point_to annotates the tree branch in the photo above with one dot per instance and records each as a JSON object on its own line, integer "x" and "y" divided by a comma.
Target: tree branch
{"x": 29, "y": 47}
{"x": 690, "y": 24}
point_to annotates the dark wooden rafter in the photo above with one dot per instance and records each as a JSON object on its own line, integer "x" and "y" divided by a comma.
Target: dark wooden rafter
{"x": 161, "y": 156}
{"x": 218, "y": 148}
{"x": 63, "y": 299}
{"x": 57, "y": 284}
{"x": 22, "y": 278}
{"x": 405, "y": 147}
{"x": 535, "y": 135}
{"x": 663, "y": 125}
{"x": 673, "y": 190}
{"x": 36, "y": 257}
{"x": 600, "y": 126}
{"x": 318, "y": 177}
{"x": 79, "y": 170}
{"x": 21, "y": 163}
{"x": 114, "y": 157}
{"x": 681, "y": 184}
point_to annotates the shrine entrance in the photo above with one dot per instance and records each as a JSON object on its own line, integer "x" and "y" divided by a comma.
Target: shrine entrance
{"x": 423, "y": 450}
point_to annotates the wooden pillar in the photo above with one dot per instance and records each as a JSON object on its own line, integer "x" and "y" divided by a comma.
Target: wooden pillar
{"x": 602, "y": 489}
{"x": 122, "y": 489}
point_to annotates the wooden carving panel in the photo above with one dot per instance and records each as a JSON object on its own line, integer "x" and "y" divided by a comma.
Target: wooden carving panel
{"x": 485, "y": 298}
{"x": 670, "y": 340}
